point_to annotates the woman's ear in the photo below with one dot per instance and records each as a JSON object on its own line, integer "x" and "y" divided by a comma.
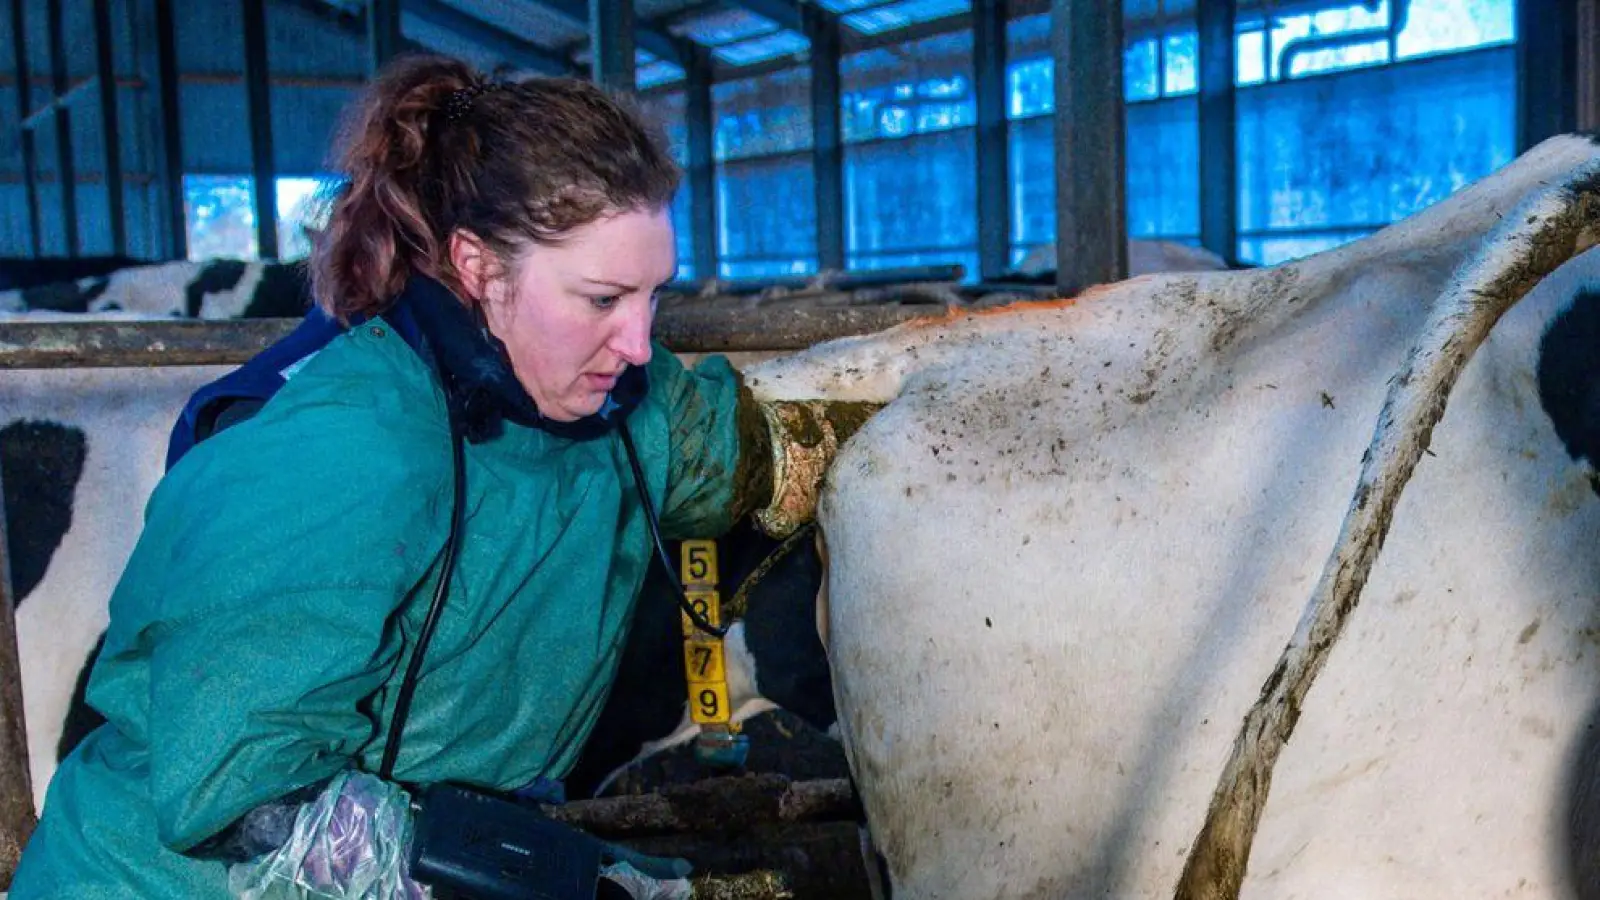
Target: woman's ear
{"x": 475, "y": 265}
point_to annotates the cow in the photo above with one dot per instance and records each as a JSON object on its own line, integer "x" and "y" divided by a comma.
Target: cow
{"x": 214, "y": 289}
{"x": 1063, "y": 558}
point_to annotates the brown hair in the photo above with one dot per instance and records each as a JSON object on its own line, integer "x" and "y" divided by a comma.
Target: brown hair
{"x": 433, "y": 146}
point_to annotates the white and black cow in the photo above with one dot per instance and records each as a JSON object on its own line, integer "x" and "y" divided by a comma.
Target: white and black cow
{"x": 215, "y": 289}
{"x": 1064, "y": 558}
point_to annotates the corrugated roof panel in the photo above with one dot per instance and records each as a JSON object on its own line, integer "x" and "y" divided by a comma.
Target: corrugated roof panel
{"x": 899, "y": 15}
{"x": 724, "y": 27}
{"x": 844, "y": 6}
{"x": 762, "y": 49}
{"x": 656, "y": 73}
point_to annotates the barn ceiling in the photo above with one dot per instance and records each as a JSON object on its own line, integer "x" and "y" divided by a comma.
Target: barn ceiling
{"x": 738, "y": 33}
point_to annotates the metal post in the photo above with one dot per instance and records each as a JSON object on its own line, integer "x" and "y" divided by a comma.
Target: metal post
{"x": 827, "y": 154}
{"x": 383, "y": 32}
{"x": 702, "y": 164}
{"x": 105, "y": 69}
{"x": 30, "y": 164}
{"x": 259, "y": 92}
{"x": 1219, "y": 173}
{"x": 994, "y": 191}
{"x": 611, "y": 43}
{"x": 171, "y": 131}
{"x": 16, "y": 787}
{"x": 1091, "y": 167}
{"x": 1588, "y": 36}
{"x": 66, "y": 171}
{"x": 1547, "y": 70}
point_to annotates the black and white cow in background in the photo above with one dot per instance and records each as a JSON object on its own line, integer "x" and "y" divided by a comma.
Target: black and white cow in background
{"x": 217, "y": 289}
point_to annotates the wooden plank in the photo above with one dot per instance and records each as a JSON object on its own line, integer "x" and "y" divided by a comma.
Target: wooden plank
{"x": 169, "y": 342}
{"x": 16, "y": 788}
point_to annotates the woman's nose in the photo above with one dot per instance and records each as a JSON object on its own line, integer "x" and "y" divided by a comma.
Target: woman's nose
{"x": 632, "y": 339}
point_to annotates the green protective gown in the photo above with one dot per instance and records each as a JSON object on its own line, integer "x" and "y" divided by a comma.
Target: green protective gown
{"x": 260, "y": 630}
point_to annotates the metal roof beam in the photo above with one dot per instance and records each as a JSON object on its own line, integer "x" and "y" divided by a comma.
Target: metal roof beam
{"x": 503, "y": 44}
{"x": 513, "y": 49}
{"x": 653, "y": 41}
{"x": 611, "y": 56}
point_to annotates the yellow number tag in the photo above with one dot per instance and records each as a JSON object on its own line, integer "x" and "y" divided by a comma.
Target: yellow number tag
{"x": 708, "y": 704}
{"x": 708, "y": 604}
{"x": 699, "y": 562}
{"x": 702, "y": 662}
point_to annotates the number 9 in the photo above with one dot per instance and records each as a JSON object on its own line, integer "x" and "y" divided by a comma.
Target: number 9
{"x": 709, "y": 705}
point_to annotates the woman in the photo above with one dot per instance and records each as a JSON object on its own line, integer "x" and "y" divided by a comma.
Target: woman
{"x": 260, "y": 632}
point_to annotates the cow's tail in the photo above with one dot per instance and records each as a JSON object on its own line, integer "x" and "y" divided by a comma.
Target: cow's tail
{"x": 1544, "y": 232}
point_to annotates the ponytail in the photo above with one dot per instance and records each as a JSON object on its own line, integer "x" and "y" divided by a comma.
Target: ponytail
{"x": 433, "y": 147}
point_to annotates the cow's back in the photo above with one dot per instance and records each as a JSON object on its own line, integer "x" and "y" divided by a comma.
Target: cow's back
{"x": 1066, "y": 558}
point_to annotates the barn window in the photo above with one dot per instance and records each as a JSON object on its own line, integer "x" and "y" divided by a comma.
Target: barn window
{"x": 221, "y": 216}
{"x": 766, "y": 202}
{"x": 910, "y": 154}
{"x": 669, "y": 111}
{"x": 1351, "y": 116}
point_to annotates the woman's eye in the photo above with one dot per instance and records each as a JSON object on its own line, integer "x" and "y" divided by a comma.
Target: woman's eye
{"x": 604, "y": 302}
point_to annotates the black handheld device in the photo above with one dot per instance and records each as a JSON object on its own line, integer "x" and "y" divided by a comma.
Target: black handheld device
{"x": 472, "y": 844}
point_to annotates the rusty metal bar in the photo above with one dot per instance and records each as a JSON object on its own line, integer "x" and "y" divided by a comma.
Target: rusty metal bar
{"x": 16, "y": 788}
{"x": 226, "y": 342}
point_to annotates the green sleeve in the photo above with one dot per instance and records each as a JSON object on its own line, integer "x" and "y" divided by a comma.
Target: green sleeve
{"x": 707, "y": 477}
{"x": 273, "y": 565}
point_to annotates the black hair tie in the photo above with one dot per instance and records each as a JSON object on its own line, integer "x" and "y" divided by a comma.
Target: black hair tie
{"x": 459, "y": 105}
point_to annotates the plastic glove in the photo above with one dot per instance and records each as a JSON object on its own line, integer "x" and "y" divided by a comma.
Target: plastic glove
{"x": 643, "y": 887}
{"x": 351, "y": 843}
